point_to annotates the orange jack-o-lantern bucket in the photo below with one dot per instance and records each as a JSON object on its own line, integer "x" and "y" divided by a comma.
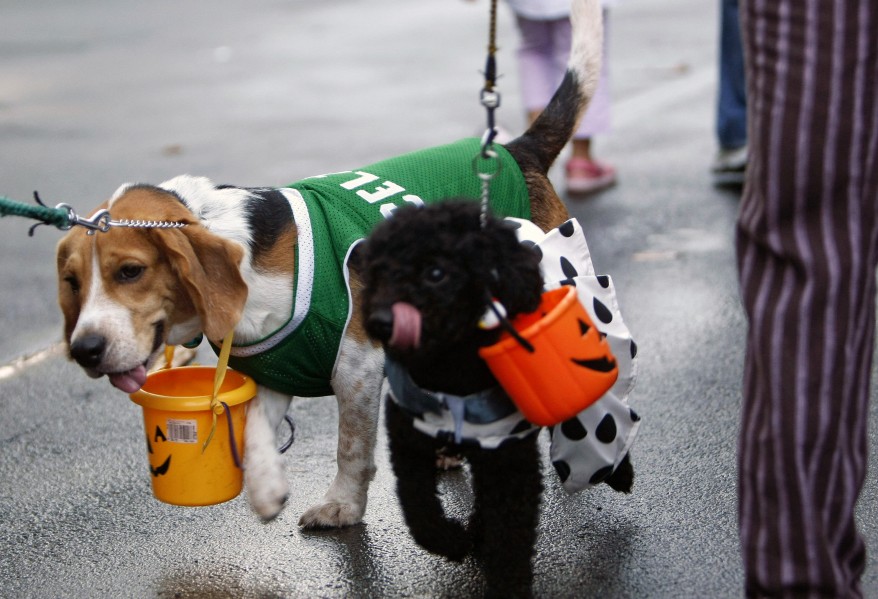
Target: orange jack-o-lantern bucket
{"x": 571, "y": 365}
{"x": 178, "y": 421}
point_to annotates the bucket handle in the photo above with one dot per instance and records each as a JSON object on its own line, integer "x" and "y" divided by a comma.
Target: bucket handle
{"x": 219, "y": 377}
{"x": 232, "y": 443}
{"x": 216, "y": 406}
{"x": 508, "y": 326}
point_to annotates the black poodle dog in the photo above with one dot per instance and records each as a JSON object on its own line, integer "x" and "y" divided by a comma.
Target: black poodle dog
{"x": 430, "y": 275}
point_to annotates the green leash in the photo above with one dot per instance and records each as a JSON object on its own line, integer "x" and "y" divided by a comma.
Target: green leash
{"x": 64, "y": 217}
{"x": 60, "y": 216}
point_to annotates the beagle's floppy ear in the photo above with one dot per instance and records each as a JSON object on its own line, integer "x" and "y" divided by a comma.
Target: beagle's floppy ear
{"x": 208, "y": 267}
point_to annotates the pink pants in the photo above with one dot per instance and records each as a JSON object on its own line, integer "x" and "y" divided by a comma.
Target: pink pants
{"x": 542, "y": 61}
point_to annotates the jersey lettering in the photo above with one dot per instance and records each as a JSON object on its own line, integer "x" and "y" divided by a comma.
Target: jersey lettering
{"x": 382, "y": 192}
{"x": 388, "y": 209}
{"x": 363, "y": 179}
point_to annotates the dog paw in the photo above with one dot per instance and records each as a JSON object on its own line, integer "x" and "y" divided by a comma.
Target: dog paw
{"x": 268, "y": 503}
{"x": 267, "y": 492}
{"x": 449, "y": 540}
{"x": 332, "y": 514}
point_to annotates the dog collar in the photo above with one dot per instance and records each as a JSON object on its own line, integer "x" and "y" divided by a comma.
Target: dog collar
{"x": 483, "y": 407}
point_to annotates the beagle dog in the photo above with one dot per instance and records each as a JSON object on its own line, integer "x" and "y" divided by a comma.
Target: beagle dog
{"x": 278, "y": 266}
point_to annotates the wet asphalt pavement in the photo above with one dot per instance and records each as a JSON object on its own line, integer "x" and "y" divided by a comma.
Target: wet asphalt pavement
{"x": 96, "y": 93}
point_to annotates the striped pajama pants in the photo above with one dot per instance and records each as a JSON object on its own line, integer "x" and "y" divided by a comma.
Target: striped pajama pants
{"x": 807, "y": 240}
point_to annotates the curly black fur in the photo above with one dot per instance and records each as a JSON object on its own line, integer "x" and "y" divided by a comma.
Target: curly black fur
{"x": 507, "y": 486}
{"x": 444, "y": 262}
{"x": 440, "y": 259}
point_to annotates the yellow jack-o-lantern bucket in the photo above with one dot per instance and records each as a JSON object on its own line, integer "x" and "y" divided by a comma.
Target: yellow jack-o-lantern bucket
{"x": 571, "y": 365}
{"x": 178, "y": 421}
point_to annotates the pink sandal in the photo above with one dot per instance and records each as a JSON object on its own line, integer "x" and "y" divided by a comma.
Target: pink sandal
{"x": 587, "y": 176}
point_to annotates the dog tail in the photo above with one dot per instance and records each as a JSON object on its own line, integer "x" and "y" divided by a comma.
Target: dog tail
{"x": 551, "y": 131}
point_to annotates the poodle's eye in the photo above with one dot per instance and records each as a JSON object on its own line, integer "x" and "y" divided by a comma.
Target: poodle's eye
{"x": 435, "y": 274}
{"x": 74, "y": 284}
{"x": 130, "y": 273}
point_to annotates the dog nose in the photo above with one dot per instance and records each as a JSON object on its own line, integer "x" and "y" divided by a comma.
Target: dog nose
{"x": 379, "y": 325}
{"x": 88, "y": 350}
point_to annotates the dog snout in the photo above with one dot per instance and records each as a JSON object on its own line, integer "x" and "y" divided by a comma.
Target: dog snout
{"x": 88, "y": 350}
{"x": 379, "y": 325}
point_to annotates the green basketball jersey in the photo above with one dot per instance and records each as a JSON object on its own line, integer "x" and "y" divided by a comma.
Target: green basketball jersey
{"x": 333, "y": 213}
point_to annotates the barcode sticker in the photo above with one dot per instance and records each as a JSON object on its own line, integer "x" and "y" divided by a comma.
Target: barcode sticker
{"x": 182, "y": 431}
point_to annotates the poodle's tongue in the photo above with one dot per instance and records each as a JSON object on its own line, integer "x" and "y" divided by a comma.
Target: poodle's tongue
{"x": 130, "y": 381}
{"x": 406, "y": 326}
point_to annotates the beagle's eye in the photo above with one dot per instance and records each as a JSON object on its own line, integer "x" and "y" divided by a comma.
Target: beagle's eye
{"x": 74, "y": 284}
{"x": 435, "y": 275}
{"x": 130, "y": 273}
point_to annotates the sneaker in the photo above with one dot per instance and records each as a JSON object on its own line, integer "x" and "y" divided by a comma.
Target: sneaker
{"x": 729, "y": 167}
{"x": 586, "y": 176}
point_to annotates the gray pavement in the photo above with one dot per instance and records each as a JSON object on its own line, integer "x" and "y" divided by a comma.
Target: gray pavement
{"x": 95, "y": 93}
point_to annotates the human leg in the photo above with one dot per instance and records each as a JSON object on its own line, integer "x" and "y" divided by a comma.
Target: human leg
{"x": 807, "y": 251}
{"x": 597, "y": 117}
{"x": 731, "y": 115}
{"x": 539, "y": 73}
{"x": 731, "y": 112}
{"x": 585, "y": 174}
{"x": 542, "y": 58}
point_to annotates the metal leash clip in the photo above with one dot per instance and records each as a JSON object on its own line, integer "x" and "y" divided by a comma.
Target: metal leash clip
{"x": 101, "y": 221}
{"x": 490, "y": 99}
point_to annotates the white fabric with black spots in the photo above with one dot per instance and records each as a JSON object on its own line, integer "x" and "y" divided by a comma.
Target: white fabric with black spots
{"x": 587, "y": 448}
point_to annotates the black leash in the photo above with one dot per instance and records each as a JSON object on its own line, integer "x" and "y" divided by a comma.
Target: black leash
{"x": 490, "y": 97}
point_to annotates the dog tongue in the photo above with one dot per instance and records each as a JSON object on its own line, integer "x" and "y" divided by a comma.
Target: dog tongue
{"x": 406, "y": 326}
{"x": 130, "y": 381}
